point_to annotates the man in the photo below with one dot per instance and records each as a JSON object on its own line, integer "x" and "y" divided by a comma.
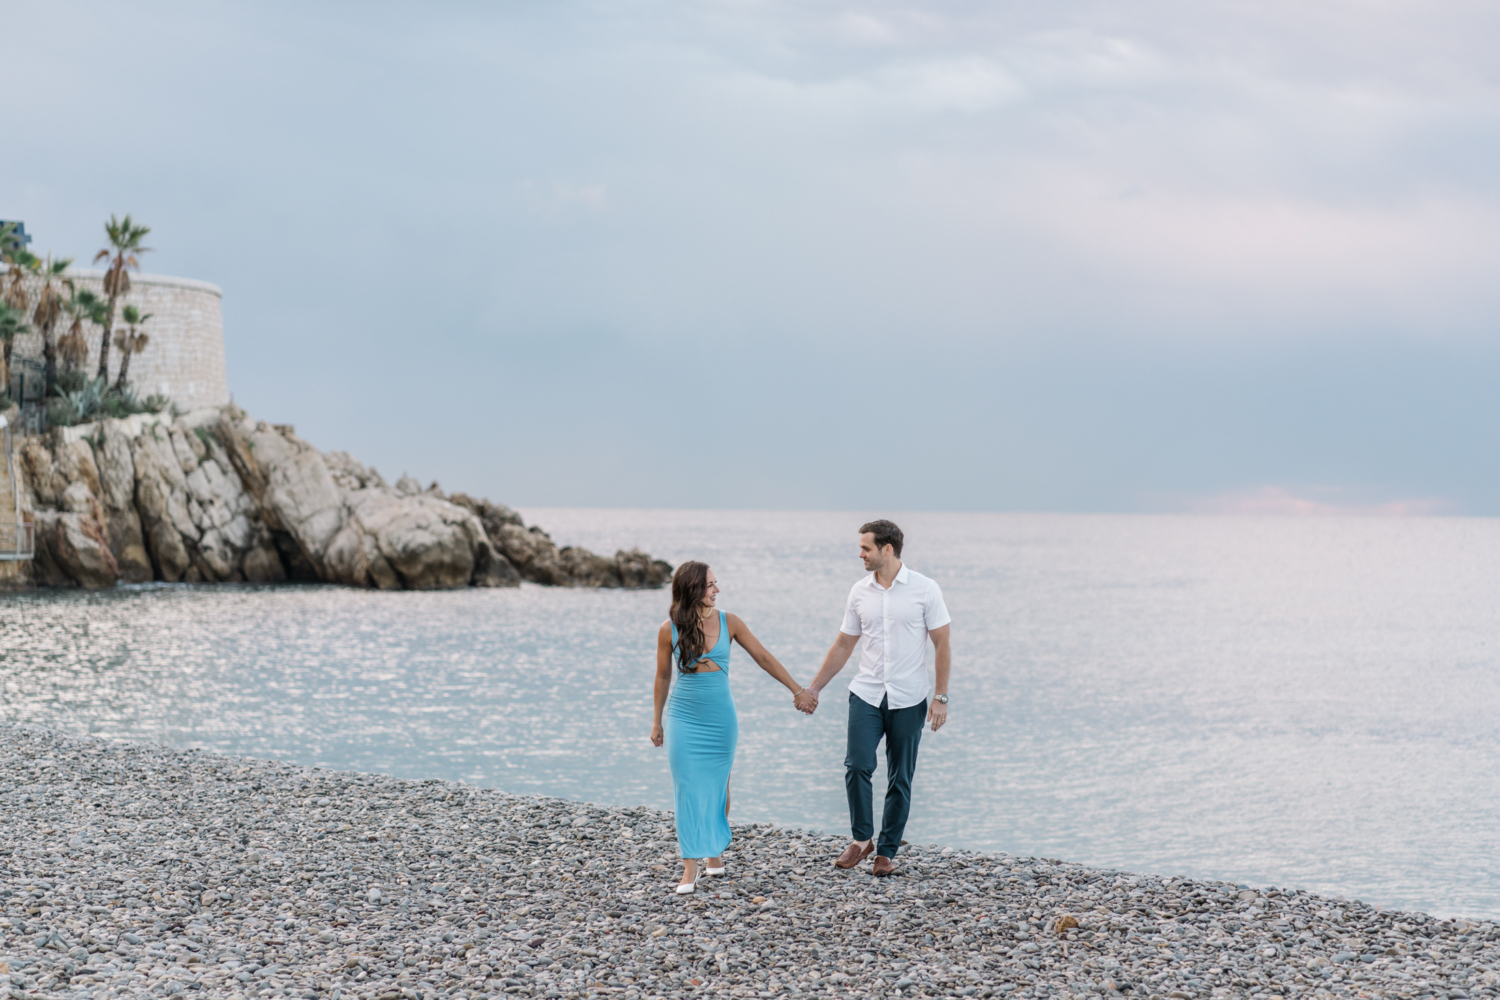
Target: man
{"x": 896, "y": 610}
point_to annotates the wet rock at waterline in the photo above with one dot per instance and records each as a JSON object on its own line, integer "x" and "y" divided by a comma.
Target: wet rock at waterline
{"x": 213, "y": 496}
{"x": 137, "y": 869}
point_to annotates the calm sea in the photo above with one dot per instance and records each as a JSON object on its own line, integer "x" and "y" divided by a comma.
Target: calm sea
{"x": 1309, "y": 703}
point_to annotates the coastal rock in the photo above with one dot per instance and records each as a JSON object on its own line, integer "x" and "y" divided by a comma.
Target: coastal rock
{"x": 51, "y": 463}
{"x": 638, "y": 570}
{"x": 299, "y": 496}
{"x": 416, "y": 542}
{"x": 533, "y": 553}
{"x": 540, "y": 560}
{"x": 214, "y": 496}
{"x": 493, "y": 516}
{"x": 350, "y": 474}
{"x": 122, "y": 524}
{"x": 161, "y": 502}
{"x": 71, "y": 549}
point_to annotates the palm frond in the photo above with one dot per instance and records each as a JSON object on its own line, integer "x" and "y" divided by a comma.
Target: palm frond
{"x": 73, "y": 348}
{"x": 117, "y": 281}
{"x": 15, "y": 296}
{"x": 12, "y": 322}
{"x": 125, "y": 236}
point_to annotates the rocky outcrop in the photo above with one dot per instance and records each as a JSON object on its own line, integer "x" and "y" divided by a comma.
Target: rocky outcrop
{"x": 214, "y": 496}
{"x": 537, "y": 557}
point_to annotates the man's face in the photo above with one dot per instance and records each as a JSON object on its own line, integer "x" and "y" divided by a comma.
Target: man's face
{"x": 875, "y": 559}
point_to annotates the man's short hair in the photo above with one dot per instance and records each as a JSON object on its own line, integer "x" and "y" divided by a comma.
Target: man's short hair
{"x": 886, "y": 533}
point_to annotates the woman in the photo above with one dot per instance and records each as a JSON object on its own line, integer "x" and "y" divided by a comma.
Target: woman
{"x": 704, "y": 726}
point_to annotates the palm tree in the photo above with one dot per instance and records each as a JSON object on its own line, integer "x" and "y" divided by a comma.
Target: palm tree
{"x": 16, "y": 303}
{"x": 85, "y": 307}
{"x": 130, "y": 342}
{"x": 12, "y": 324}
{"x": 123, "y": 254}
{"x": 20, "y": 262}
{"x": 49, "y": 307}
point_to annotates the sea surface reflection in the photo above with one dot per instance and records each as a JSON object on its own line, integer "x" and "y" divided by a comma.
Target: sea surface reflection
{"x": 1285, "y": 702}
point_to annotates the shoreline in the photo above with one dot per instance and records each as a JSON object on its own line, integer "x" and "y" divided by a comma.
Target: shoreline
{"x": 138, "y": 869}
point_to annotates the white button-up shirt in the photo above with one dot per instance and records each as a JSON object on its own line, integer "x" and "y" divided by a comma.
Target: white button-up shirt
{"x": 894, "y": 624}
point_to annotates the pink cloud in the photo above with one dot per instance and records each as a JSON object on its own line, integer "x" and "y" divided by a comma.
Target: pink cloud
{"x": 1278, "y": 501}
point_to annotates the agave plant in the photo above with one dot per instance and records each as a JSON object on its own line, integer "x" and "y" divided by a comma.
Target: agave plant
{"x": 130, "y": 341}
{"x": 12, "y": 325}
{"x": 49, "y": 308}
{"x": 123, "y": 254}
{"x": 85, "y": 307}
{"x": 79, "y": 406}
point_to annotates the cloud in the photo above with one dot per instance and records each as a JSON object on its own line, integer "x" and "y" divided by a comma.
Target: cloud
{"x": 560, "y": 195}
{"x": 1101, "y": 251}
{"x": 1280, "y": 501}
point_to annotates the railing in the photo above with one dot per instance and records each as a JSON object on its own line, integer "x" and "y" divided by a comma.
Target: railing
{"x": 17, "y": 541}
{"x": 32, "y": 419}
{"x": 27, "y": 378}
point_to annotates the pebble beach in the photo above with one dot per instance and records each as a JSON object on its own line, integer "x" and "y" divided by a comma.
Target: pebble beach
{"x": 133, "y": 869}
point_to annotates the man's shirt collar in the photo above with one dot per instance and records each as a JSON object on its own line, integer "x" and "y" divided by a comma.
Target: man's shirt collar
{"x": 900, "y": 578}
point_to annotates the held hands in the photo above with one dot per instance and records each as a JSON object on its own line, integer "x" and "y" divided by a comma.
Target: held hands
{"x": 656, "y": 734}
{"x": 806, "y": 701}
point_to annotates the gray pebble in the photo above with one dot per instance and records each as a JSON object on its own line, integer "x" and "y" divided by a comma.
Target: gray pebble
{"x": 142, "y": 870}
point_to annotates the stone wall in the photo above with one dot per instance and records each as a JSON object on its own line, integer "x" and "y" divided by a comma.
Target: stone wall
{"x": 185, "y": 357}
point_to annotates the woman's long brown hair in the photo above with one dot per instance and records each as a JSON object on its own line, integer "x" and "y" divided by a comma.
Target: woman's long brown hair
{"x": 689, "y": 587}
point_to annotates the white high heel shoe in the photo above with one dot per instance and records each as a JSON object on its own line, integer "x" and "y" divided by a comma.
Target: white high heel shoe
{"x": 714, "y": 871}
{"x": 683, "y": 888}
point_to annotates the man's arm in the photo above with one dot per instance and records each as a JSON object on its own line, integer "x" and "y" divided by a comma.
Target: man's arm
{"x": 942, "y": 665}
{"x": 833, "y": 662}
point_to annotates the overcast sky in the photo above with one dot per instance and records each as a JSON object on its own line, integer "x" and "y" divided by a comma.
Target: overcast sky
{"x": 982, "y": 256}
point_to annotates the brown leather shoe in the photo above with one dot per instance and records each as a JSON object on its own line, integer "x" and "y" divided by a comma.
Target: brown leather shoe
{"x": 884, "y": 866}
{"x": 853, "y": 855}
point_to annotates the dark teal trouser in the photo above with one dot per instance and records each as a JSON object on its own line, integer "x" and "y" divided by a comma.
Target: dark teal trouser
{"x": 902, "y": 730}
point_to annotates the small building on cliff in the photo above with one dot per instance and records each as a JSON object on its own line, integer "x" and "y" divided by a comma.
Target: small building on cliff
{"x": 184, "y": 359}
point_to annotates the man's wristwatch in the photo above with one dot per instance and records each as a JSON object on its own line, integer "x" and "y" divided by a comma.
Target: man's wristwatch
{"x": 941, "y": 699}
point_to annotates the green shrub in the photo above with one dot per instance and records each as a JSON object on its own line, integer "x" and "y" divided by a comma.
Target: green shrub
{"x": 62, "y": 412}
{"x": 93, "y": 399}
{"x": 68, "y": 382}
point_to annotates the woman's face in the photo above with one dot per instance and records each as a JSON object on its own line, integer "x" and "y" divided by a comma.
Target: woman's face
{"x": 711, "y": 596}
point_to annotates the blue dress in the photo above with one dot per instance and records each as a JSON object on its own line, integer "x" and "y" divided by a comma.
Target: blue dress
{"x": 702, "y": 730}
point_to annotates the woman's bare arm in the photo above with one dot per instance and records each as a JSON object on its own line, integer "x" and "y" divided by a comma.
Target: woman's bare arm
{"x": 740, "y": 633}
{"x": 663, "y": 678}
